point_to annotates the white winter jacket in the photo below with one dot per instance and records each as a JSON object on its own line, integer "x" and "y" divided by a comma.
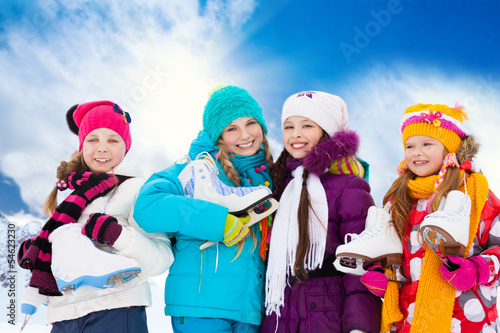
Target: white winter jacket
{"x": 152, "y": 250}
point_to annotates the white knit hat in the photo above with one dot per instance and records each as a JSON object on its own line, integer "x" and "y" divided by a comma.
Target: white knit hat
{"x": 326, "y": 110}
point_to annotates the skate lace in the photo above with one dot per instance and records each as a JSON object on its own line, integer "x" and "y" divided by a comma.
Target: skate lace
{"x": 206, "y": 156}
{"x": 453, "y": 216}
{"x": 363, "y": 236}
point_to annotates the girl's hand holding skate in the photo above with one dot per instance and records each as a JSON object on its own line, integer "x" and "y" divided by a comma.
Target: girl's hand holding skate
{"x": 463, "y": 274}
{"x": 234, "y": 230}
{"x": 103, "y": 228}
{"x": 375, "y": 280}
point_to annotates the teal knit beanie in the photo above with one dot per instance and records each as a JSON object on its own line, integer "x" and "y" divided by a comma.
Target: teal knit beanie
{"x": 227, "y": 104}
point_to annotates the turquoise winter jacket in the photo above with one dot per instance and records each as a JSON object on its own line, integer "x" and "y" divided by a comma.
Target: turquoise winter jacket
{"x": 202, "y": 283}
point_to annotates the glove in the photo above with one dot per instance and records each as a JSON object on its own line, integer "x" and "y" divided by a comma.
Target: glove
{"x": 375, "y": 280}
{"x": 234, "y": 230}
{"x": 22, "y": 250}
{"x": 103, "y": 228}
{"x": 463, "y": 274}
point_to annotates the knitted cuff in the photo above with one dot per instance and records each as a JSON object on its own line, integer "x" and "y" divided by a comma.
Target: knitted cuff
{"x": 234, "y": 230}
{"x": 111, "y": 233}
{"x": 103, "y": 228}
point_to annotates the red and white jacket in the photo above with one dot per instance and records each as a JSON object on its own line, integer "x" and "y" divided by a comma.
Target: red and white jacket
{"x": 474, "y": 310}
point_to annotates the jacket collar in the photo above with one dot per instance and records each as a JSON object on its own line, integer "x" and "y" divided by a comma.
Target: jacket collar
{"x": 320, "y": 157}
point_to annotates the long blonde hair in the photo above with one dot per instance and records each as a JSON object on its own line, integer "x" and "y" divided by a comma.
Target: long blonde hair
{"x": 227, "y": 166}
{"x": 233, "y": 175}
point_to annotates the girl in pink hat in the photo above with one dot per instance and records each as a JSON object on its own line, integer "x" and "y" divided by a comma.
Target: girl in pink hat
{"x": 91, "y": 261}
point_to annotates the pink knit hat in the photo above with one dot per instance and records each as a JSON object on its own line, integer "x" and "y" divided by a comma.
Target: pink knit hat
{"x": 102, "y": 114}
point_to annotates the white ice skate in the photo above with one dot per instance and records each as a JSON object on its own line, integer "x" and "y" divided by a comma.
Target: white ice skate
{"x": 379, "y": 242}
{"x": 199, "y": 181}
{"x": 77, "y": 262}
{"x": 449, "y": 225}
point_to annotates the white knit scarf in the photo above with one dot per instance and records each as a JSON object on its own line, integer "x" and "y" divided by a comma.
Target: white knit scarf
{"x": 285, "y": 236}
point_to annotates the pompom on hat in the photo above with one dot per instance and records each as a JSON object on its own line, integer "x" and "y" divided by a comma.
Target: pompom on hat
{"x": 84, "y": 118}
{"x": 438, "y": 121}
{"x": 227, "y": 104}
{"x": 326, "y": 110}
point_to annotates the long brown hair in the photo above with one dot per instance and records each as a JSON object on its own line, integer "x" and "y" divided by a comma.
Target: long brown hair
{"x": 304, "y": 242}
{"x": 233, "y": 175}
{"x": 76, "y": 164}
{"x": 401, "y": 200}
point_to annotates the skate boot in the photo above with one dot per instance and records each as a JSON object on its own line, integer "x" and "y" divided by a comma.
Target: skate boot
{"x": 449, "y": 225}
{"x": 77, "y": 262}
{"x": 379, "y": 242}
{"x": 199, "y": 181}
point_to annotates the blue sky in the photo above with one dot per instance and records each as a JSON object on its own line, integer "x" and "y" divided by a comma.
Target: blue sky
{"x": 159, "y": 60}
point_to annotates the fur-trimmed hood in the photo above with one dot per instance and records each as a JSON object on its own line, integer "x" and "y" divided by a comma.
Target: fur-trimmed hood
{"x": 320, "y": 157}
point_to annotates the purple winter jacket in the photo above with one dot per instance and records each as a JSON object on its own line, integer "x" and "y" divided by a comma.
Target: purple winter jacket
{"x": 330, "y": 301}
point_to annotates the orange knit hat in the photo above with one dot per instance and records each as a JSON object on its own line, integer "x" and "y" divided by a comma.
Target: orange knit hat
{"x": 437, "y": 121}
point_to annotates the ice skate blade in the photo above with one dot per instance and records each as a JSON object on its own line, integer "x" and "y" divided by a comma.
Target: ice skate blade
{"x": 254, "y": 218}
{"x": 26, "y": 319}
{"x": 435, "y": 236}
{"x": 350, "y": 265}
{"x": 357, "y": 266}
{"x": 393, "y": 277}
{"x": 433, "y": 241}
{"x": 104, "y": 281}
{"x": 122, "y": 278}
{"x": 255, "y": 204}
{"x": 435, "y": 250}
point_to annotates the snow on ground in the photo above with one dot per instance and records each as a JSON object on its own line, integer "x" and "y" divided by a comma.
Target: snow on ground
{"x": 8, "y": 328}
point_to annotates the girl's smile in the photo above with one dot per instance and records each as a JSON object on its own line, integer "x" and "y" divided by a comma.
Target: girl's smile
{"x": 424, "y": 155}
{"x": 103, "y": 149}
{"x": 245, "y": 145}
{"x": 243, "y": 136}
{"x": 300, "y": 134}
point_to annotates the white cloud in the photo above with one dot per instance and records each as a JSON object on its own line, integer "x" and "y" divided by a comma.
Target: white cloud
{"x": 21, "y": 218}
{"x": 158, "y": 60}
{"x": 377, "y": 100}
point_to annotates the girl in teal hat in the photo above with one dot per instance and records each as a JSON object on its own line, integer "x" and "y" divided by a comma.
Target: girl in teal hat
{"x": 220, "y": 288}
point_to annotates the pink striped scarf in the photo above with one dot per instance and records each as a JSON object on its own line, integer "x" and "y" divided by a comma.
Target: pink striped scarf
{"x": 35, "y": 254}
